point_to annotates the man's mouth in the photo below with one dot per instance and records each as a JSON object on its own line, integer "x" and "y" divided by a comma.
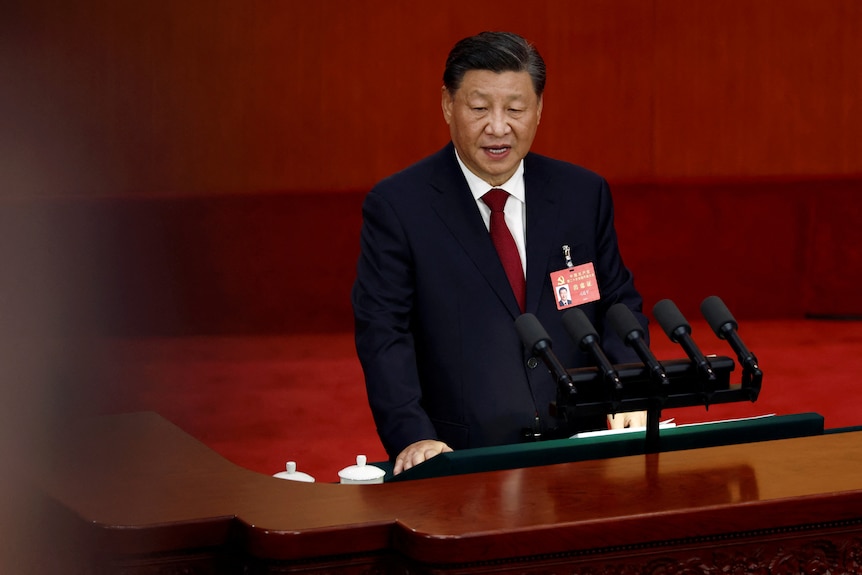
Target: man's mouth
{"x": 497, "y": 150}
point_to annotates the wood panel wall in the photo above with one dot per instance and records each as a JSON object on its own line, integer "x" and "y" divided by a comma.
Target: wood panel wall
{"x": 186, "y": 155}
{"x": 217, "y": 96}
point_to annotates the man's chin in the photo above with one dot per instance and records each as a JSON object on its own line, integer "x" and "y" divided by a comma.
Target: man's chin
{"x": 497, "y": 174}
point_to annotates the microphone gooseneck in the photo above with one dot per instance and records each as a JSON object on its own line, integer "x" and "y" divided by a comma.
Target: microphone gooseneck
{"x": 725, "y": 327}
{"x": 537, "y": 341}
{"x": 630, "y": 331}
{"x": 678, "y": 331}
{"x": 582, "y": 332}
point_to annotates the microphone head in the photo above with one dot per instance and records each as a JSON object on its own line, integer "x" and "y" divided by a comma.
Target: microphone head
{"x": 531, "y": 331}
{"x": 670, "y": 319}
{"x": 579, "y": 326}
{"x": 718, "y": 316}
{"x": 624, "y": 322}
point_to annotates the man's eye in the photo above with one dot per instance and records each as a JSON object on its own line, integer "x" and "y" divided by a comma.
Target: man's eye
{"x": 479, "y": 109}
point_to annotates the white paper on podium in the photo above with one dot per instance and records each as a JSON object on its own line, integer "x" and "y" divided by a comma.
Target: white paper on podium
{"x": 662, "y": 425}
{"x": 600, "y": 432}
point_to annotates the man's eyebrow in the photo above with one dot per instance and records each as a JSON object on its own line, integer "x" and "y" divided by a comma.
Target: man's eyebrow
{"x": 479, "y": 94}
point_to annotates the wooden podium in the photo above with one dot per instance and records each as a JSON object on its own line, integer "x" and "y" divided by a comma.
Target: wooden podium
{"x": 134, "y": 494}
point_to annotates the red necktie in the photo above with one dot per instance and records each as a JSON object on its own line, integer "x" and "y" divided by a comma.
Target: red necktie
{"x": 505, "y": 243}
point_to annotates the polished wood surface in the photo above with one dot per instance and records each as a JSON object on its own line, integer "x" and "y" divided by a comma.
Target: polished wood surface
{"x": 144, "y": 487}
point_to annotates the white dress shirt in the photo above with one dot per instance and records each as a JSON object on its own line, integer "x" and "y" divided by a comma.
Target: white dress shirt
{"x": 515, "y": 209}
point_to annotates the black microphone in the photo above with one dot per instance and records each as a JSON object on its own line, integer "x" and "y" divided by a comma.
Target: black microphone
{"x": 537, "y": 340}
{"x": 678, "y": 331}
{"x": 725, "y": 326}
{"x": 583, "y": 333}
{"x": 631, "y": 332}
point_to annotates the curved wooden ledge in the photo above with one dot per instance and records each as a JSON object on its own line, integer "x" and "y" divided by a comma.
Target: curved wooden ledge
{"x": 143, "y": 489}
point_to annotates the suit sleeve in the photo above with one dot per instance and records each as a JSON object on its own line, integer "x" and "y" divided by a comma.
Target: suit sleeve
{"x": 616, "y": 282}
{"x": 383, "y": 297}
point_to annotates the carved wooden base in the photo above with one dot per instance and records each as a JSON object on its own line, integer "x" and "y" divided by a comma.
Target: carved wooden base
{"x": 810, "y": 550}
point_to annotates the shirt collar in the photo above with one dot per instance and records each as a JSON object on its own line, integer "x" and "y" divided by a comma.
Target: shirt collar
{"x": 479, "y": 187}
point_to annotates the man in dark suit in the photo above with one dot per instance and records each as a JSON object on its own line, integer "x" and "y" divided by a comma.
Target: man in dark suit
{"x": 433, "y": 303}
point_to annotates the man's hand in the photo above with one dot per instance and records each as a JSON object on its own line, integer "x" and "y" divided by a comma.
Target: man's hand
{"x": 416, "y": 453}
{"x": 629, "y": 419}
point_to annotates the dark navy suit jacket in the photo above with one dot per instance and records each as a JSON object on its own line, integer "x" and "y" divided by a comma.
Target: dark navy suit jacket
{"x": 434, "y": 312}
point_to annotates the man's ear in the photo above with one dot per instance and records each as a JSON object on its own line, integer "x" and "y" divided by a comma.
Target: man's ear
{"x": 539, "y": 111}
{"x": 447, "y": 102}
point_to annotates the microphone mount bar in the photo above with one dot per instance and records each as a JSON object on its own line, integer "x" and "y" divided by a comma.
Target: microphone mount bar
{"x": 686, "y": 386}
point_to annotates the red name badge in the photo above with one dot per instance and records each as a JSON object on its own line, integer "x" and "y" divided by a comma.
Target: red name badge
{"x": 575, "y": 286}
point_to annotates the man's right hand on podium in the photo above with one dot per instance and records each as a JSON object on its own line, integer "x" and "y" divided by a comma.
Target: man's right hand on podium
{"x": 416, "y": 453}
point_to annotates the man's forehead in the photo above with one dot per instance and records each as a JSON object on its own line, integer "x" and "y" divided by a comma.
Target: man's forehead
{"x": 486, "y": 84}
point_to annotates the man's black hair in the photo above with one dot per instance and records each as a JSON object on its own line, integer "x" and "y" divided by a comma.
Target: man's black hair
{"x": 497, "y": 52}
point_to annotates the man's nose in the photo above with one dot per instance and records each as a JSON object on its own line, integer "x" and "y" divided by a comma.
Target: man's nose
{"x": 498, "y": 123}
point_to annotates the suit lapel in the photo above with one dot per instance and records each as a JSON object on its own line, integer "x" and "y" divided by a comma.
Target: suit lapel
{"x": 455, "y": 206}
{"x": 542, "y": 219}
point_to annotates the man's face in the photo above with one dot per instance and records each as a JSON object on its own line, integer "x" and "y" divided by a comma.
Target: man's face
{"x": 564, "y": 294}
{"x": 493, "y": 119}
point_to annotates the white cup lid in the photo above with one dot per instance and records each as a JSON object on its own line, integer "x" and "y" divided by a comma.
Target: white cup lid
{"x": 361, "y": 471}
{"x": 293, "y": 475}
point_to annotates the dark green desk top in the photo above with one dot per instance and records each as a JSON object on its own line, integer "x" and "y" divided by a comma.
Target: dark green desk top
{"x": 612, "y": 445}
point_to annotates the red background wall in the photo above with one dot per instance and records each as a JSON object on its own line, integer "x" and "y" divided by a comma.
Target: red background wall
{"x": 730, "y": 130}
